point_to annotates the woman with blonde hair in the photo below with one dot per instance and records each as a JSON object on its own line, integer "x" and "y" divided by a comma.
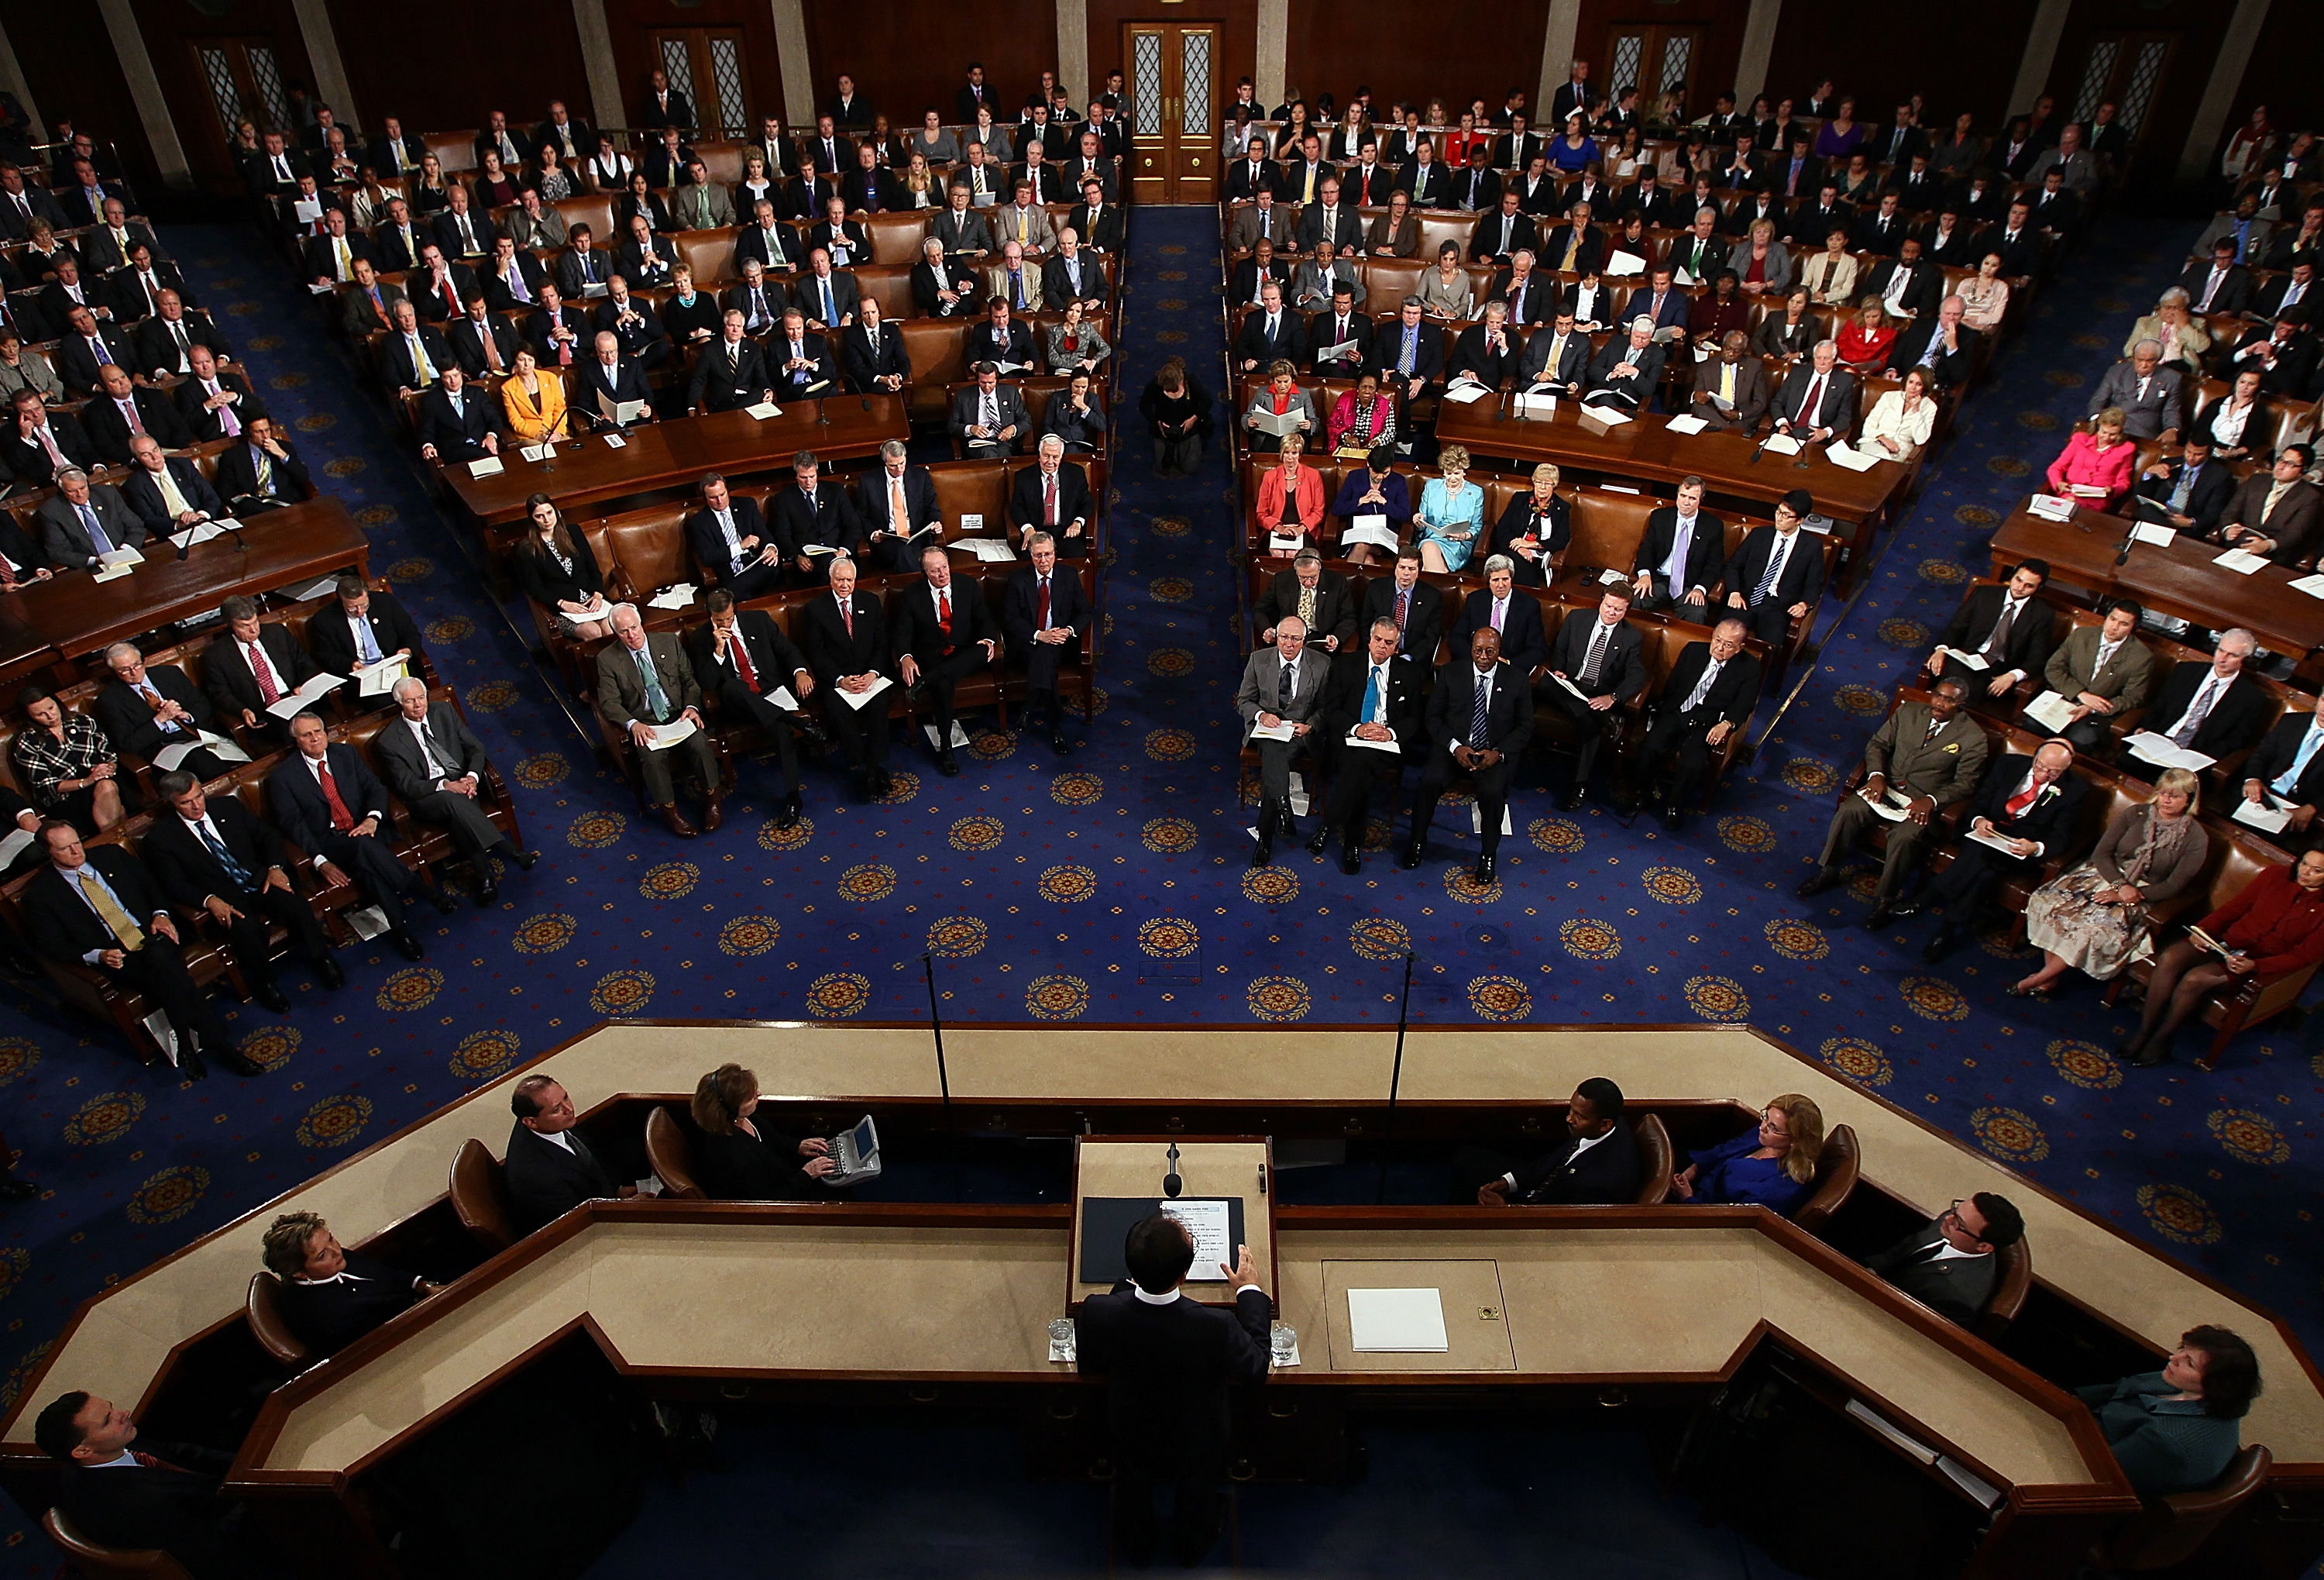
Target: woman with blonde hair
{"x": 1773, "y": 1166}
{"x": 735, "y": 1159}
{"x": 2095, "y": 919}
{"x": 326, "y": 1295}
{"x": 1865, "y": 339}
{"x": 1452, "y": 514}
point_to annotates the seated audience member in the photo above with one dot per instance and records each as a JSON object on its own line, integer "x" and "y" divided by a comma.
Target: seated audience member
{"x": 208, "y": 853}
{"x": 329, "y": 1295}
{"x": 1282, "y": 398}
{"x": 730, "y": 540}
{"x": 2193, "y": 489}
{"x": 2003, "y": 625}
{"x": 1378, "y": 701}
{"x": 742, "y": 657}
{"x": 1416, "y": 607}
{"x": 1600, "y": 659}
{"x": 2102, "y": 669}
{"x": 2174, "y": 1431}
{"x": 2227, "y": 421}
{"x": 944, "y": 634}
{"x": 2145, "y": 391}
{"x": 145, "y": 711}
{"x": 815, "y": 514}
{"x": 1623, "y": 373}
{"x": 1788, "y": 335}
{"x": 1730, "y": 393}
{"x": 1949, "y": 1263}
{"x": 1776, "y": 575}
{"x": 1362, "y": 420}
{"x": 1533, "y": 529}
{"x": 1708, "y": 696}
{"x": 735, "y": 1159}
{"x": 1073, "y": 415}
{"x": 1043, "y": 613}
{"x": 2273, "y": 927}
{"x": 896, "y": 506}
{"x": 2095, "y": 919}
{"x": 1053, "y": 496}
{"x": 554, "y": 566}
{"x": 1817, "y": 402}
{"x": 1679, "y": 558}
{"x": 457, "y": 424}
{"x": 84, "y": 521}
{"x": 168, "y": 492}
{"x": 2035, "y": 811}
{"x": 154, "y": 1495}
{"x": 845, "y": 640}
{"x": 262, "y": 472}
{"x": 1863, "y": 342}
{"x": 1927, "y": 752}
{"x": 1074, "y": 344}
{"x": 551, "y": 1168}
{"x": 68, "y": 766}
{"x": 2095, "y": 468}
{"x": 2277, "y": 513}
{"x": 1480, "y": 718}
{"x": 2216, "y": 708}
{"x": 252, "y": 665}
{"x": 1322, "y": 599}
{"x": 533, "y": 403}
{"x": 990, "y": 419}
{"x": 1291, "y": 497}
{"x": 1282, "y": 684}
{"x": 436, "y": 766}
{"x": 1773, "y": 1166}
{"x": 326, "y": 802}
{"x": 121, "y": 413}
{"x": 1596, "y": 1162}
{"x": 643, "y": 684}
{"x": 1902, "y": 422}
{"x": 1178, "y": 412}
{"x": 1451, "y": 515}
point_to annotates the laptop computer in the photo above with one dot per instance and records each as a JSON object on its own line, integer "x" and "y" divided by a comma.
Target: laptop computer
{"x": 857, "y": 1153}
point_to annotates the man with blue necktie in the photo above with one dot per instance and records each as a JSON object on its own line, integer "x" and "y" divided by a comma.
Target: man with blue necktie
{"x": 209, "y": 853}
{"x": 645, "y": 686}
{"x": 2286, "y": 771}
{"x": 1371, "y": 723}
{"x": 1480, "y": 718}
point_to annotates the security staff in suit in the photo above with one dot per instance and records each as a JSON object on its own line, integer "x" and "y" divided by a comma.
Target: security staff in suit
{"x": 1706, "y": 697}
{"x": 2102, "y": 669}
{"x": 730, "y": 544}
{"x": 327, "y": 1295}
{"x": 1370, "y": 697}
{"x": 2194, "y": 489}
{"x": 436, "y": 766}
{"x": 457, "y": 424}
{"x": 1680, "y": 558}
{"x": 2287, "y": 770}
{"x": 1480, "y": 718}
{"x": 153, "y": 1495}
{"x": 2034, "y": 807}
{"x": 1416, "y": 607}
{"x": 1776, "y": 575}
{"x": 366, "y": 628}
{"x": 326, "y": 802}
{"x": 742, "y": 657}
{"x": 814, "y": 512}
{"x": 1929, "y": 753}
{"x": 1524, "y": 646}
{"x": 82, "y": 522}
{"x": 644, "y": 682}
{"x": 168, "y": 492}
{"x": 844, "y": 637}
{"x": 145, "y": 711}
{"x": 1817, "y": 402}
{"x": 2216, "y": 708}
{"x": 1322, "y": 599}
{"x": 207, "y": 853}
{"x": 1043, "y": 612}
{"x": 874, "y": 353}
{"x": 1949, "y": 1263}
{"x": 1556, "y": 355}
{"x": 1281, "y": 685}
{"x": 944, "y": 634}
{"x": 1168, "y": 1362}
{"x": 2006, "y": 626}
{"x": 1596, "y": 1162}
{"x": 551, "y": 1168}
{"x": 1601, "y": 657}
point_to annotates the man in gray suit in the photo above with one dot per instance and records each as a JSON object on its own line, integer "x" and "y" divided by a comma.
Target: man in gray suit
{"x": 960, "y": 227}
{"x": 436, "y": 767}
{"x": 1281, "y": 686}
{"x": 644, "y": 682}
{"x": 2101, "y": 670}
{"x": 1929, "y": 753}
{"x": 83, "y": 523}
{"x": 2146, "y": 393}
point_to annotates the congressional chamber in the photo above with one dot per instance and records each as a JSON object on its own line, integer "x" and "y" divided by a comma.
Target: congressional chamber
{"x": 664, "y": 674}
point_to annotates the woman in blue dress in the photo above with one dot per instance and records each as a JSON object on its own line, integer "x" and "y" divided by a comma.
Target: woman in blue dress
{"x": 1773, "y": 1166}
{"x": 1452, "y": 514}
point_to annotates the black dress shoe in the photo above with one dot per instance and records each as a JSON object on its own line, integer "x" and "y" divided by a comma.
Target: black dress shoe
{"x": 789, "y": 816}
{"x": 1670, "y": 816}
{"x": 267, "y": 994}
{"x": 1412, "y": 854}
{"x": 191, "y": 1066}
{"x": 406, "y": 944}
{"x": 234, "y": 1064}
{"x": 1821, "y": 879}
{"x": 2156, "y": 1050}
{"x": 18, "y": 1190}
{"x": 1941, "y": 943}
{"x": 525, "y": 860}
{"x": 946, "y": 763}
{"x": 1880, "y": 917}
{"x": 488, "y": 892}
{"x": 1484, "y": 873}
{"x": 442, "y": 901}
{"x": 1351, "y": 860}
{"x": 1319, "y": 842}
{"x": 1059, "y": 743}
{"x": 1572, "y": 799}
{"x": 329, "y": 973}
{"x": 882, "y": 782}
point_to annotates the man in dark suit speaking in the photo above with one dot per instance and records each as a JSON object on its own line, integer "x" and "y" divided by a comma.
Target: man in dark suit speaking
{"x": 1596, "y": 1162}
{"x": 550, "y": 1169}
{"x": 1169, "y": 1362}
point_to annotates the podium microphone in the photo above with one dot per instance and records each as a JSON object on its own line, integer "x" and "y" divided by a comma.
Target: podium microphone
{"x": 944, "y": 1079}
{"x": 1395, "y": 1080}
{"x": 1171, "y": 1184}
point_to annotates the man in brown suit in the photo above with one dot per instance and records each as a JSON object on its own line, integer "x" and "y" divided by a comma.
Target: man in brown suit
{"x": 1931, "y": 754}
{"x": 644, "y": 682}
{"x": 1731, "y": 390}
{"x": 2277, "y": 512}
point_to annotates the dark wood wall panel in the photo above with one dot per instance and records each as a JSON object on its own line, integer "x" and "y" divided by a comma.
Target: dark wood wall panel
{"x": 518, "y": 67}
{"x": 1237, "y": 20}
{"x": 68, "y": 58}
{"x": 1463, "y": 53}
{"x": 906, "y": 55}
{"x": 171, "y": 29}
{"x": 633, "y": 23}
{"x": 2282, "y": 73}
{"x": 2200, "y": 25}
{"x": 1922, "y": 50}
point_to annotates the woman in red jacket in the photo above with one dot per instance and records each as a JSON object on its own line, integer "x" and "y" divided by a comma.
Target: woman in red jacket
{"x": 1291, "y": 495}
{"x": 2275, "y": 928}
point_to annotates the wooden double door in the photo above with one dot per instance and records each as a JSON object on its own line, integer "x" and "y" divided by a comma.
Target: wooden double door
{"x": 1172, "y": 86}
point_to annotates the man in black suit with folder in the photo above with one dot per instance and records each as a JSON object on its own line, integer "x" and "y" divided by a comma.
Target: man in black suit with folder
{"x": 896, "y": 502}
{"x": 1480, "y": 718}
{"x": 740, "y": 657}
{"x": 2004, "y": 626}
{"x": 1044, "y": 614}
{"x": 1777, "y": 575}
{"x": 844, "y": 637}
{"x": 730, "y": 541}
{"x": 326, "y": 802}
{"x": 1595, "y": 1164}
{"x": 944, "y": 634}
{"x": 2033, "y": 810}
{"x": 1600, "y": 655}
{"x": 1169, "y": 1362}
{"x": 1708, "y": 696}
{"x": 208, "y": 853}
{"x": 1378, "y": 701}
{"x": 551, "y": 1168}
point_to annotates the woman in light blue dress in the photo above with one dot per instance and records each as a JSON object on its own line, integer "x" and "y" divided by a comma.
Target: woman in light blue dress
{"x": 1452, "y": 514}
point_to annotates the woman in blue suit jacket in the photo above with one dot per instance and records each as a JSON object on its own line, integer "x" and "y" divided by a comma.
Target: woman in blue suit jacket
{"x": 1773, "y": 1166}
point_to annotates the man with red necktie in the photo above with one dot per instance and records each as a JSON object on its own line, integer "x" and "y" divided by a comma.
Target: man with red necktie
{"x": 2026, "y": 812}
{"x": 1044, "y": 614}
{"x": 944, "y": 634}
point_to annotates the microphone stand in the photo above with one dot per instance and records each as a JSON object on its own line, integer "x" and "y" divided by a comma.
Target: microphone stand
{"x": 944, "y": 1079}
{"x": 1396, "y": 1081}
{"x": 1171, "y": 1183}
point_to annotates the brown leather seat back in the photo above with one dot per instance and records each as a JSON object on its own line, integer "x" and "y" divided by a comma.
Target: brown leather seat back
{"x": 595, "y": 210}
{"x": 1606, "y": 529}
{"x": 650, "y": 546}
{"x": 670, "y": 1156}
{"x": 1655, "y": 1160}
{"x": 709, "y": 253}
{"x": 2012, "y": 1280}
{"x": 972, "y": 489}
{"x": 1836, "y": 1168}
{"x": 265, "y": 1315}
{"x": 939, "y": 348}
{"x": 896, "y": 235}
{"x": 891, "y": 288}
{"x": 722, "y": 162}
{"x": 480, "y": 1196}
{"x": 2173, "y": 1528}
{"x": 105, "y": 1563}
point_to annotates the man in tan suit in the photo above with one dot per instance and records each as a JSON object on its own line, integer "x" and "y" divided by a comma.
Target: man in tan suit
{"x": 2101, "y": 670}
{"x": 644, "y": 682}
{"x": 1277, "y": 222}
{"x": 1930, "y": 752}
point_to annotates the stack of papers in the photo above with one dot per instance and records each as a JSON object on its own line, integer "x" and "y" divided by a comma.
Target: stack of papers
{"x": 662, "y": 737}
{"x": 2242, "y": 561}
{"x": 2269, "y": 816}
{"x": 486, "y": 467}
{"x": 2162, "y": 752}
{"x": 1369, "y": 529}
{"x": 1839, "y": 455}
{"x": 1624, "y": 263}
{"x": 305, "y": 696}
{"x": 199, "y": 532}
{"x": 1388, "y": 745}
{"x": 679, "y": 597}
{"x": 1396, "y": 1321}
{"x": 1541, "y": 406}
{"x": 1686, "y": 425}
{"x": 1783, "y": 444}
{"x": 383, "y": 678}
{"x": 2148, "y": 533}
{"x": 985, "y": 549}
{"x": 856, "y": 699}
{"x": 2050, "y": 508}
{"x": 1466, "y": 389}
{"x": 2051, "y": 711}
{"x": 1971, "y": 660}
{"x": 2313, "y": 585}
{"x": 764, "y": 409}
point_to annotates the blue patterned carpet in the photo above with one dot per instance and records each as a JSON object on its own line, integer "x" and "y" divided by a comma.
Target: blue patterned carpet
{"x": 1112, "y": 887}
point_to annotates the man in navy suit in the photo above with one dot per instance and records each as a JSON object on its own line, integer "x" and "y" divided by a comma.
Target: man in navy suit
{"x": 609, "y": 381}
{"x": 329, "y": 803}
{"x": 1169, "y": 1362}
{"x": 1480, "y": 718}
{"x": 156, "y": 1495}
{"x": 1596, "y": 1163}
{"x": 2035, "y": 809}
{"x": 551, "y": 1170}
{"x": 1517, "y": 619}
{"x": 1044, "y": 614}
{"x": 457, "y": 423}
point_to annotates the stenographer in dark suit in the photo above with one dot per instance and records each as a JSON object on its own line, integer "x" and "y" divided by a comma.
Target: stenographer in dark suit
{"x": 2035, "y": 809}
{"x": 1169, "y": 1362}
{"x": 1596, "y": 1163}
{"x": 844, "y": 637}
{"x": 1480, "y": 718}
{"x": 1776, "y": 575}
{"x": 1601, "y": 656}
{"x": 1708, "y": 695}
{"x": 2006, "y": 625}
{"x": 550, "y": 1169}
{"x": 1043, "y": 612}
{"x": 1369, "y": 698}
{"x": 1680, "y": 557}
{"x": 208, "y": 853}
{"x": 740, "y": 657}
{"x": 329, "y": 1295}
{"x": 326, "y": 802}
{"x": 2216, "y": 708}
{"x": 436, "y": 766}
{"x": 730, "y": 542}
{"x": 231, "y": 676}
{"x": 154, "y": 1495}
{"x": 740, "y": 1158}
{"x": 944, "y": 634}
{"x": 1949, "y": 1264}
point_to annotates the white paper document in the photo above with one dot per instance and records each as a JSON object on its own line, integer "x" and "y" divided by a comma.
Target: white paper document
{"x": 1396, "y": 1321}
{"x": 168, "y": 758}
{"x": 2242, "y": 561}
{"x": 679, "y": 597}
{"x": 1369, "y": 529}
{"x": 1969, "y": 659}
{"x": 383, "y": 678}
{"x": 1466, "y": 391}
{"x": 2149, "y": 532}
{"x": 1686, "y": 425}
{"x": 1570, "y": 686}
{"x": 780, "y": 697}
{"x": 662, "y": 737}
{"x": 1782, "y": 444}
{"x": 2313, "y": 585}
{"x": 1625, "y": 264}
{"x": 199, "y": 532}
{"x": 1895, "y": 806}
{"x": 1388, "y": 745}
{"x": 2051, "y": 711}
{"x": 534, "y": 452}
{"x": 1477, "y": 819}
{"x": 315, "y": 589}
{"x": 369, "y": 922}
{"x": 621, "y": 411}
{"x": 1281, "y": 730}
{"x": 2269, "y": 816}
{"x": 2051, "y": 507}
{"x": 305, "y": 696}
{"x": 1209, "y": 1225}
{"x": 1541, "y": 406}
{"x": 2162, "y": 752}
{"x": 14, "y": 845}
{"x": 1285, "y": 543}
{"x": 1610, "y": 576}
{"x": 1839, "y": 455}
{"x": 856, "y": 699}
{"x": 764, "y": 409}
{"x": 1340, "y": 353}
{"x": 615, "y": 441}
{"x": 1999, "y": 842}
{"x": 1912, "y": 1447}
{"x": 307, "y": 210}
{"x": 1277, "y": 422}
{"x": 486, "y": 467}
{"x": 986, "y": 550}
{"x": 959, "y": 734}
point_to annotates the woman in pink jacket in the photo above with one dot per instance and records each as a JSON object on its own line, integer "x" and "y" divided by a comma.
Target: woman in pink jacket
{"x": 2094, "y": 468}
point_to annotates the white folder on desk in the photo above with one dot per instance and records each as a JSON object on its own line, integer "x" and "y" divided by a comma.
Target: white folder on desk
{"x": 1396, "y": 1321}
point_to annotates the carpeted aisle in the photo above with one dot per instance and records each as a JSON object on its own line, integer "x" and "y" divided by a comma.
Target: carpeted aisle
{"x": 1112, "y": 886}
